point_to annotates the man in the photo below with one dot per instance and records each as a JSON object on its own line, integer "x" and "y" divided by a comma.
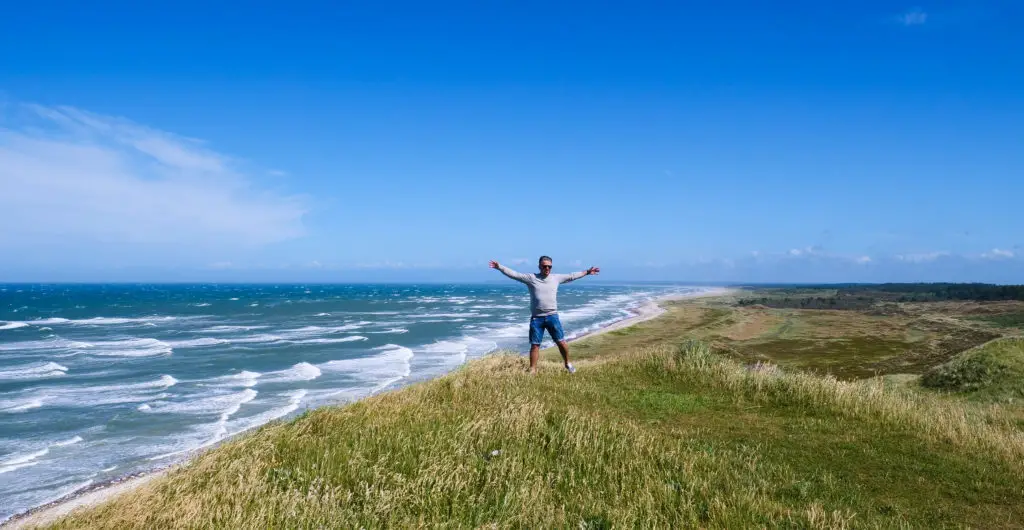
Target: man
{"x": 543, "y": 306}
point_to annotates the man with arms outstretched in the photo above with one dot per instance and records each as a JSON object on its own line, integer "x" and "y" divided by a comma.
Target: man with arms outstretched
{"x": 543, "y": 306}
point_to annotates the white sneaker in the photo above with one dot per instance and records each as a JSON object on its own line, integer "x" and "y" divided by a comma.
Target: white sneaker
{"x": 571, "y": 368}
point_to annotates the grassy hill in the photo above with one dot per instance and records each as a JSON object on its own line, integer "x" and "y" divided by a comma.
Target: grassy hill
{"x": 657, "y": 429}
{"x": 993, "y": 371}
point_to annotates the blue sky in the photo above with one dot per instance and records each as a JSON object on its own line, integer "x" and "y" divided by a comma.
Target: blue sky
{"x": 380, "y": 141}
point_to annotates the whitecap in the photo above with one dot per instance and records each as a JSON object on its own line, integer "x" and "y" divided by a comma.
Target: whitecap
{"x": 352, "y": 338}
{"x": 219, "y": 404}
{"x": 130, "y": 348}
{"x": 390, "y": 330}
{"x": 244, "y": 378}
{"x": 22, "y": 405}
{"x": 294, "y": 400}
{"x": 197, "y": 343}
{"x": 48, "y": 344}
{"x": 299, "y": 372}
{"x": 13, "y": 325}
{"x": 33, "y": 371}
{"x": 228, "y": 329}
{"x": 257, "y": 339}
{"x": 70, "y": 441}
{"x": 391, "y": 361}
{"x": 18, "y": 461}
{"x": 471, "y": 314}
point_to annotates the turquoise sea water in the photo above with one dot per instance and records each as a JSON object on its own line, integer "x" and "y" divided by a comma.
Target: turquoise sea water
{"x": 98, "y": 381}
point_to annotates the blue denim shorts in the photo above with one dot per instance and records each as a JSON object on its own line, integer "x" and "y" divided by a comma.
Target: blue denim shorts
{"x": 550, "y": 323}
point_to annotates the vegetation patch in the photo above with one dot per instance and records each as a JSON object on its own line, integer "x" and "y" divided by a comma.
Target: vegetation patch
{"x": 994, "y": 370}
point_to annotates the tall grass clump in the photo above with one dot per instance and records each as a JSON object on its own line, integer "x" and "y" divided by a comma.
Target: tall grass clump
{"x": 939, "y": 420}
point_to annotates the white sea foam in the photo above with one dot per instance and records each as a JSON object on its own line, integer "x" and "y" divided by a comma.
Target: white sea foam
{"x": 204, "y": 304}
{"x": 33, "y": 371}
{"x": 322, "y": 315}
{"x": 92, "y": 395}
{"x": 300, "y": 372}
{"x": 314, "y": 331}
{"x": 47, "y": 344}
{"x": 219, "y": 404}
{"x": 20, "y": 405}
{"x": 13, "y": 325}
{"x": 461, "y": 349}
{"x": 498, "y": 306}
{"x": 257, "y": 339}
{"x": 244, "y": 378}
{"x": 471, "y": 314}
{"x": 294, "y": 400}
{"x": 352, "y": 338}
{"x": 104, "y": 321}
{"x": 18, "y": 461}
{"x": 130, "y": 348}
{"x": 393, "y": 331}
{"x": 391, "y": 361}
{"x": 197, "y": 343}
{"x": 163, "y": 382}
{"x": 228, "y": 329}
{"x": 70, "y": 441}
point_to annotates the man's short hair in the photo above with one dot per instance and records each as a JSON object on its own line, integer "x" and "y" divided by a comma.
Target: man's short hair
{"x": 548, "y": 258}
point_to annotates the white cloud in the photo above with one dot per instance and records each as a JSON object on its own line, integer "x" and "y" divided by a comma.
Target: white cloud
{"x": 912, "y": 17}
{"x": 922, "y": 257}
{"x": 519, "y": 261}
{"x": 806, "y": 251}
{"x": 998, "y": 254}
{"x": 863, "y": 259}
{"x": 73, "y": 176}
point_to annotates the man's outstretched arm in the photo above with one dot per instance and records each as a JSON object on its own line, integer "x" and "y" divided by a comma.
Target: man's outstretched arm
{"x": 517, "y": 276}
{"x": 577, "y": 275}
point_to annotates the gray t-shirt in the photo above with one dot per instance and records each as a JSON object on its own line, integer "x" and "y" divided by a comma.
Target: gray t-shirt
{"x": 543, "y": 289}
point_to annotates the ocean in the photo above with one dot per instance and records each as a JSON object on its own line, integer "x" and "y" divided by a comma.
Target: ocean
{"x": 102, "y": 381}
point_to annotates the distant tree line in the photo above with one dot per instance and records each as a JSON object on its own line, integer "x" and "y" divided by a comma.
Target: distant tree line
{"x": 864, "y": 296}
{"x": 942, "y": 291}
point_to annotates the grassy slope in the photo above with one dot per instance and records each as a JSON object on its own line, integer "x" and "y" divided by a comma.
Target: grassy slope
{"x": 653, "y": 430}
{"x": 991, "y": 372}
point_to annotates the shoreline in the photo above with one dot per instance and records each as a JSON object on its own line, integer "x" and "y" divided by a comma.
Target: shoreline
{"x": 96, "y": 494}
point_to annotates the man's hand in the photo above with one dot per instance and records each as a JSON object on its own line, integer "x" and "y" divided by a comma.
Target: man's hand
{"x": 593, "y": 270}
{"x": 494, "y": 264}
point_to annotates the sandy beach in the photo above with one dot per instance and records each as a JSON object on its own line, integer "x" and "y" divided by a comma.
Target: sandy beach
{"x": 99, "y": 493}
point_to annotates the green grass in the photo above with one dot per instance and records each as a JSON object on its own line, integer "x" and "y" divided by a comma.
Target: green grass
{"x": 667, "y": 435}
{"x": 1005, "y": 320}
{"x": 992, "y": 371}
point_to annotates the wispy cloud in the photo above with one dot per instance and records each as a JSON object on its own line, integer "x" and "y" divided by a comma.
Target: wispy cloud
{"x": 997, "y": 253}
{"x": 912, "y": 17}
{"x": 923, "y": 257}
{"x": 71, "y": 175}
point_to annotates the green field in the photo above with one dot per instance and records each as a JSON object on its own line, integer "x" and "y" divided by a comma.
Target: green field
{"x": 714, "y": 415}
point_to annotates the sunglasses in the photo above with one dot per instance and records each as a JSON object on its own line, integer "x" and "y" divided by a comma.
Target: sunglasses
{"x": 545, "y": 266}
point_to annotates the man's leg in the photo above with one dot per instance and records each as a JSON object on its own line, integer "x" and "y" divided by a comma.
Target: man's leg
{"x": 563, "y": 348}
{"x": 536, "y": 334}
{"x": 554, "y": 326}
{"x": 534, "y": 354}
